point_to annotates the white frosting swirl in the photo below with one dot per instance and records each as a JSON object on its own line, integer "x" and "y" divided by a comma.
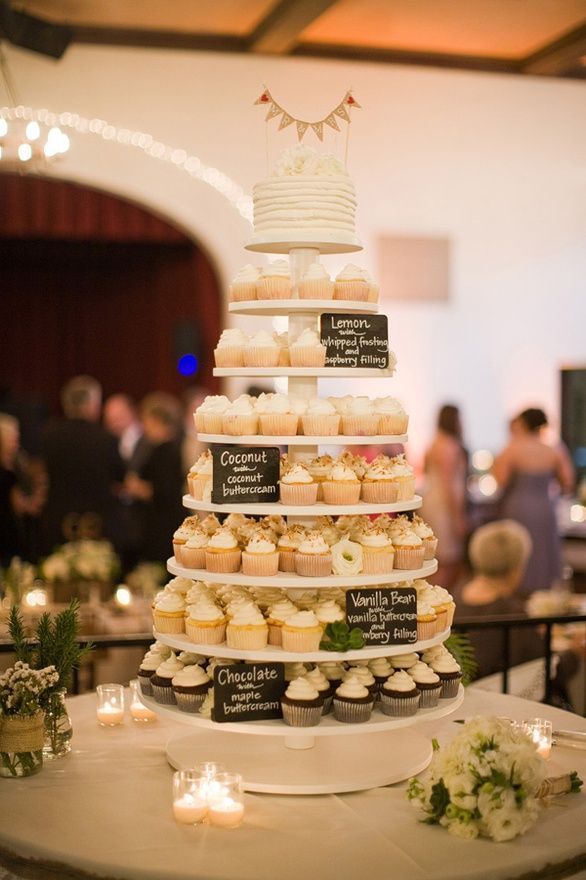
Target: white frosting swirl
{"x": 278, "y": 268}
{"x": 232, "y": 336}
{"x": 190, "y": 676}
{"x": 362, "y": 673}
{"x": 421, "y": 672}
{"x": 302, "y": 620}
{"x": 297, "y": 474}
{"x": 301, "y": 689}
{"x": 307, "y": 339}
{"x": 261, "y": 545}
{"x": 328, "y": 612}
{"x": 445, "y": 663}
{"x": 248, "y": 615}
{"x": 169, "y": 667}
{"x": 247, "y": 273}
{"x": 313, "y": 544}
{"x": 399, "y": 681}
{"x": 352, "y": 688}
{"x": 223, "y": 539}
{"x": 170, "y": 603}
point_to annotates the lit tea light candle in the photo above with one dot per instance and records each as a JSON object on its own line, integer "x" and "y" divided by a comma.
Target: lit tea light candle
{"x": 138, "y": 711}
{"x": 226, "y": 813}
{"x": 540, "y": 732}
{"x": 110, "y": 716}
{"x": 110, "y": 710}
{"x": 190, "y": 809}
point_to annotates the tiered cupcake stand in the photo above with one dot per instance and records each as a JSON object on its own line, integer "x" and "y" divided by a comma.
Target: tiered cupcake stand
{"x": 332, "y": 756}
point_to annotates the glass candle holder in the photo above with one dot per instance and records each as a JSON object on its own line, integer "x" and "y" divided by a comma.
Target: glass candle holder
{"x": 225, "y": 800}
{"x": 110, "y": 711}
{"x": 190, "y": 806}
{"x": 138, "y": 711}
{"x": 540, "y": 731}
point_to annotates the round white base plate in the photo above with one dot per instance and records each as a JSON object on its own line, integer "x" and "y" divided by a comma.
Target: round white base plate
{"x": 280, "y": 243}
{"x": 349, "y": 763}
{"x": 301, "y": 440}
{"x": 274, "y": 307}
{"x": 304, "y": 372}
{"x": 311, "y": 510}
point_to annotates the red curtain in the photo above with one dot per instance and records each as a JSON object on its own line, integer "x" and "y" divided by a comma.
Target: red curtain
{"x": 92, "y": 284}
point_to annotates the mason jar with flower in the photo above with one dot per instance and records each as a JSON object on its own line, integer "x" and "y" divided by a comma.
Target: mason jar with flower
{"x": 22, "y": 719}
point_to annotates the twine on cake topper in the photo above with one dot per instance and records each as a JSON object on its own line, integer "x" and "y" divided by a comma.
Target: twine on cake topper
{"x": 340, "y": 112}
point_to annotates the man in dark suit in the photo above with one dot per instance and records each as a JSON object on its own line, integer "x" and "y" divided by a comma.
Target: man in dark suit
{"x": 82, "y": 461}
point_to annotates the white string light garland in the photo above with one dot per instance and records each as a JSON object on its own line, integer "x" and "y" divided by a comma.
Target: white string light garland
{"x": 140, "y": 140}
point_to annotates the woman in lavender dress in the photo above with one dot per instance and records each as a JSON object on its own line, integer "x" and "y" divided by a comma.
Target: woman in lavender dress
{"x": 526, "y": 470}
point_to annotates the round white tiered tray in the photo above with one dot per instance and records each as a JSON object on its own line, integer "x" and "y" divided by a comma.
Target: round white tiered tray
{"x": 311, "y": 510}
{"x": 304, "y": 372}
{"x": 286, "y": 581}
{"x": 273, "y": 307}
{"x": 272, "y": 654}
{"x": 336, "y": 243}
{"x": 302, "y": 440}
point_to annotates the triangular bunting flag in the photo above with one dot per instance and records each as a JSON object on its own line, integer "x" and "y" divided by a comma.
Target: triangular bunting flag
{"x": 331, "y": 121}
{"x": 318, "y": 128}
{"x": 274, "y": 110}
{"x": 352, "y": 102}
{"x": 264, "y": 98}
{"x": 301, "y": 129}
{"x": 285, "y": 121}
{"x": 342, "y": 113}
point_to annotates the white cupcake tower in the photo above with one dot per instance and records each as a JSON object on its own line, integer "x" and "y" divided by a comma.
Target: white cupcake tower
{"x": 332, "y": 756}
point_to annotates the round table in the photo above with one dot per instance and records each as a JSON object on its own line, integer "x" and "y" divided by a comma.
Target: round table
{"x": 105, "y": 811}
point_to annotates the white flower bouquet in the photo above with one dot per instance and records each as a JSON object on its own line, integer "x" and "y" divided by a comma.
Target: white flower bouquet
{"x": 21, "y": 688}
{"x": 486, "y": 783}
{"x": 83, "y": 560}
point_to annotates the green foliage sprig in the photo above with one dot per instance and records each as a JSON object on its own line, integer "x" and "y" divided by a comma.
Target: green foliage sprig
{"x": 339, "y": 637}
{"x": 460, "y": 646}
{"x": 53, "y": 644}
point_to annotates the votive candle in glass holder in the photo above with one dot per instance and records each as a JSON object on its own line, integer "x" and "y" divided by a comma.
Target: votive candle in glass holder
{"x": 225, "y": 800}
{"x": 138, "y": 711}
{"x": 190, "y": 806}
{"x": 540, "y": 731}
{"x": 110, "y": 711}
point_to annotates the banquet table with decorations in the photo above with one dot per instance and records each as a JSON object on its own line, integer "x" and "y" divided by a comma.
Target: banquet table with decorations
{"x": 105, "y": 811}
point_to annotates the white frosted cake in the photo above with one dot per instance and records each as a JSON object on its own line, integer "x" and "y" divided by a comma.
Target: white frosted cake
{"x": 308, "y": 198}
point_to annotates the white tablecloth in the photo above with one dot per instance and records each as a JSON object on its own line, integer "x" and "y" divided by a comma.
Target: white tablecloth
{"x": 106, "y": 809}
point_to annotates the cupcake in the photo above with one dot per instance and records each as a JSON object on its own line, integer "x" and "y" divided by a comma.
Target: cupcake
{"x": 275, "y": 416}
{"x": 180, "y": 537}
{"x": 373, "y": 288}
{"x": 243, "y": 286}
{"x": 342, "y": 485}
{"x": 205, "y": 623}
{"x": 162, "y": 680}
{"x": 168, "y": 613}
{"x": 449, "y": 674}
{"x": 315, "y": 283}
{"x": 392, "y": 417}
{"x": 262, "y": 350}
{"x": 190, "y": 686}
{"x": 381, "y": 670}
{"x": 320, "y": 468}
{"x": 427, "y": 683}
{"x": 364, "y": 676}
{"x": 302, "y": 704}
{"x": 434, "y": 596}
{"x": 426, "y": 620}
{"x": 320, "y": 419}
{"x": 199, "y": 474}
{"x": 326, "y": 526}
{"x": 404, "y": 661}
{"x": 294, "y": 670}
{"x": 193, "y": 552}
{"x": 240, "y": 417}
{"x": 276, "y": 616}
{"x": 210, "y": 523}
{"x": 318, "y": 680}
{"x": 404, "y": 477}
{"x": 425, "y": 532}
{"x": 274, "y": 281}
{"x": 222, "y": 552}
{"x": 379, "y": 485}
{"x": 399, "y": 696}
{"x": 288, "y": 544}
{"x": 377, "y": 551}
{"x": 353, "y": 702}
{"x": 261, "y": 558}
{"x": 146, "y": 670}
{"x": 313, "y": 557}
{"x": 207, "y": 707}
{"x": 351, "y": 285}
{"x": 247, "y": 630}
{"x": 297, "y": 486}
{"x": 282, "y": 340}
{"x": 346, "y": 558}
{"x": 307, "y": 350}
{"x": 328, "y": 611}
{"x": 408, "y": 550}
{"x": 301, "y": 632}
{"x": 359, "y": 419}
{"x": 209, "y": 415}
{"x": 229, "y": 351}
{"x": 333, "y": 671}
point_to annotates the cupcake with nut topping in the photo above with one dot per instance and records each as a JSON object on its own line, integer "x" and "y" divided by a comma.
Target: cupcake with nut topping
{"x": 261, "y": 557}
{"x": 288, "y": 544}
{"x": 297, "y": 487}
{"x": 342, "y": 485}
{"x": 313, "y": 557}
{"x": 379, "y": 485}
{"x": 377, "y": 551}
{"x": 205, "y": 623}
{"x": 222, "y": 552}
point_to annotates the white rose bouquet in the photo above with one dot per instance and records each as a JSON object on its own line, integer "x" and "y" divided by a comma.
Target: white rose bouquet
{"x": 485, "y": 783}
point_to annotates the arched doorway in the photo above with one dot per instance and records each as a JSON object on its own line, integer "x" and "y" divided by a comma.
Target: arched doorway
{"x": 92, "y": 283}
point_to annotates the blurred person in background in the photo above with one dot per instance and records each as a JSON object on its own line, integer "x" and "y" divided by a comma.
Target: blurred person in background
{"x": 83, "y": 466}
{"x": 526, "y": 471}
{"x": 444, "y": 499}
{"x": 158, "y": 484}
{"x": 21, "y": 497}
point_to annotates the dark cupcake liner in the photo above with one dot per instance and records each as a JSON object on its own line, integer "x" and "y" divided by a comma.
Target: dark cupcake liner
{"x": 301, "y": 716}
{"x": 352, "y": 713}
{"x": 164, "y": 695}
{"x": 399, "y": 707}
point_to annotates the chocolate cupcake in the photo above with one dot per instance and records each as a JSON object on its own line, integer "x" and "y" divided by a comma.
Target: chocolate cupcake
{"x": 365, "y": 677}
{"x": 353, "y": 702}
{"x": 399, "y": 695}
{"x": 302, "y": 704}
{"x": 428, "y": 683}
{"x": 318, "y": 680}
{"x": 381, "y": 669}
{"x": 162, "y": 680}
{"x": 450, "y": 675}
{"x": 190, "y": 687}
{"x": 148, "y": 666}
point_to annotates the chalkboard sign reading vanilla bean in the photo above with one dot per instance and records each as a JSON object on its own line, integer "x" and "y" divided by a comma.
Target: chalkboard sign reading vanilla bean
{"x": 245, "y": 474}
{"x": 386, "y": 617}
{"x": 355, "y": 341}
{"x": 248, "y": 691}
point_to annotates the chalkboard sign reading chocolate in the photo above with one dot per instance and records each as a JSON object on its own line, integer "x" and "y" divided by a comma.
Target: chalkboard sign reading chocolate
{"x": 355, "y": 340}
{"x": 245, "y": 474}
{"x": 386, "y": 617}
{"x": 248, "y": 691}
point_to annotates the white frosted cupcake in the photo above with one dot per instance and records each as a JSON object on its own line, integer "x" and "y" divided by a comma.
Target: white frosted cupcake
{"x": 208, "y": 416}
{"x": 316, "y": 678}
{"x": 316, "y": 283}
{"x": 199, "y": 474}
{"x": 307, "y": 350}
{"x": 364, "y": 676}
{"x": 287, "y": 546}
{"x": 426, "y": 620}
{"x": 240, "y": 417}
{"x": 162, "y": 680}
{"x": 190, "y": 687}
{"x": 328, "y": 611}
{"x": 301, "y": 704}
{"x": 205, "y": 623}
{"x": 229, "y": 351}
{"x": 342, "y": 485}
{"x": 262, "y": 350}
{"x": 428, "y": 683}
{"x": 425, "y": 532}
{"x": 301, "y": 632}
{"x": 297, "y": 486}
{"x": 275, "y": 416}
{"x": 274, "y": 281}
{"x": 313, "y": 557}
{"x": 379, "y": 485}
{"x": 320, "y": 419}
{"x": 168, "y": 613}
{"x": 243, "y": 286}
{"x": 353, "y": 702}
{"x": 381, "y": 670}
{"x": 351, "y": 284}
{"x": 277, "y": 614}
{"x": 222, "y": 552}
{"x": 404, "y": 476}
{"x": 193, "y": 552}
{"x": 247, "y": 630}
{"x": 320, "y": 468}
{"x": 399, "y": 696}
{"x": 408, "y": 550}
{"x": 261, "y": 557}
{"x": 449, "y": 674}
{"x": 359, "y": 419}
{"x": 392, "y": 417}
{"x": 377, "y": 551}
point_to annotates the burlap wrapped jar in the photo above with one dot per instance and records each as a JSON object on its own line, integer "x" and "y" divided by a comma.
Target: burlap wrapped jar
{"x": 21, "y": 744}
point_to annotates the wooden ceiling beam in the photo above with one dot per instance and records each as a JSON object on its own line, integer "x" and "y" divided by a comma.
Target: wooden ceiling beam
{"x": 279, "y": 32}
{"x": 156, "y": 39}
{"x": 559, "y": 58}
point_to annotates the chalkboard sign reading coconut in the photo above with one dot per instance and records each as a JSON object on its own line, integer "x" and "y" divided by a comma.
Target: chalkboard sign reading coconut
{"x": 248, "y": 691}
{"x": 355, "y": 341}
{"x": 386, "y": 617}
{"x": 245, "y": 474}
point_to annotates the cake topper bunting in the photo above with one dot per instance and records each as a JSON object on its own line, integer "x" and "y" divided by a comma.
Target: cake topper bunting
{"x": 341, "y": 111}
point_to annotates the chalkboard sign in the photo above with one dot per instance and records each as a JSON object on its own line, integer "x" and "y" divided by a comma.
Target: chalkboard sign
{"x": 386, "y": 617}
{"x": 248, "y": 691}
{"x": 355, "y": 341}
{"x": 246, "y": 474}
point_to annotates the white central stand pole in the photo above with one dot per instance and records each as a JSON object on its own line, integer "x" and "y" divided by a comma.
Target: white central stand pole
{"x": 299, "y": 742}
